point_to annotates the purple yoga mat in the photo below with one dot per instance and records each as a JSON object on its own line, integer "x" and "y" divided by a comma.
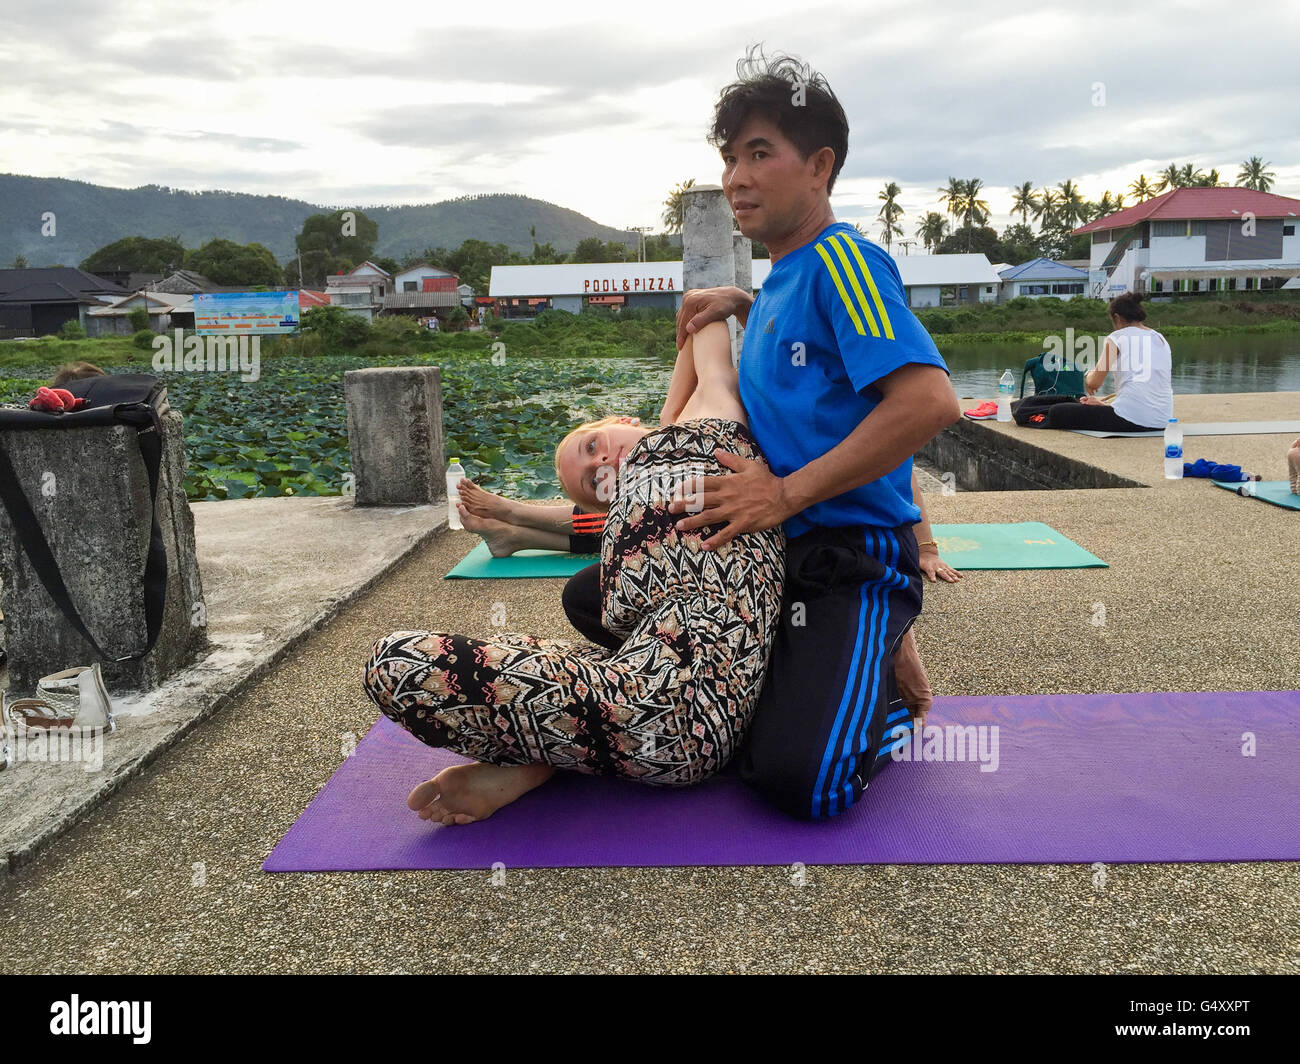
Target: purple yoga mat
{"x": 1079, "y": 778}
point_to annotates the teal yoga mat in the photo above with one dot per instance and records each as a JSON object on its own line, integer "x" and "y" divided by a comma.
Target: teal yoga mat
{"x": 479, "y": 564}
{"x": 1278, "y": 492}
{"x": 1027, "y": 545}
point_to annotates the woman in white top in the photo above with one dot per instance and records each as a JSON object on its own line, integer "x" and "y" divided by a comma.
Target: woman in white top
{"x": 1141, "y": 361}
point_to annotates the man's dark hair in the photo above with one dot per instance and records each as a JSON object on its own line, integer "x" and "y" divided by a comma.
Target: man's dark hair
{"x": 768, "y": 87}
{"x": 1128, "y": 306}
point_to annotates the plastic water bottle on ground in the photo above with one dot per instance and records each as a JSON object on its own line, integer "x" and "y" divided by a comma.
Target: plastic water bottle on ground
{"x": 455, "y": 473}
{"x": 1173, "y": 450}
{"x": 1006, "y": 388}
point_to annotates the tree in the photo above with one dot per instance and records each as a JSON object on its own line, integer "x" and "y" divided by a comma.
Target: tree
{"x": 932, "y": 230}
{"x": 1142, "y": 188}
{"x": 1070, "y": 209}
{"x": 1254, "y": 173}
{"x": 675, "y": 205}
{"x": 953, "y": 196}
{"x": 1024, "y": 201}
{"x": 20, "y": 263}
{"x": 226, "y": 263}
{"x": 1019, "y": 244}
{"x": 974, "y": 210}
{"x": 1045, "y": 212}
{"x": 889, "y": 213}
{"x": 138, "y": 254}
{"x": 333, "y": 243}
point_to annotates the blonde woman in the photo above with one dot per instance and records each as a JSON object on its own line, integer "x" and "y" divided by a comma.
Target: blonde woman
{"x": 673, "y": 703}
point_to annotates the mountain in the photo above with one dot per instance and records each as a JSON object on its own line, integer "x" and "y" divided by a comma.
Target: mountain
{"x": 86, "y": 217}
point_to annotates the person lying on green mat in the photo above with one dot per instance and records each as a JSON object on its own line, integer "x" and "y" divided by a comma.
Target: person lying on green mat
{"x": 507, "y": 526}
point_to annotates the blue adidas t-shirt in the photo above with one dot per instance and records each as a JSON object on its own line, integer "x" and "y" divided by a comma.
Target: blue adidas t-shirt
{"x": 830, "y": 320}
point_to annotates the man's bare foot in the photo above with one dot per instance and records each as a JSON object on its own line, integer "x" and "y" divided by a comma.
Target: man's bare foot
{"x": 1293, "y": 462}
{"x": 913, "y": 682}
{"x": 463, "y": 794}
{"x": 501, "y": 538}
{"x": 483, "y": 503}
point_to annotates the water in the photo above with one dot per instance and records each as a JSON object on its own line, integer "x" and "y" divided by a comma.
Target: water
{"x": 1202, "y": 365}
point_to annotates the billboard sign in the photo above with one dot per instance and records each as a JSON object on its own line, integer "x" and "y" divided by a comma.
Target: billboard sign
{"x": 245, "y": 313}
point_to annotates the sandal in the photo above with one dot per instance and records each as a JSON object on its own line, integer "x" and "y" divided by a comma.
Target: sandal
{"x": 74, "y": 700}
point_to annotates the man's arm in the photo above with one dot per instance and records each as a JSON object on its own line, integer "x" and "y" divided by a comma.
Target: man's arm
{"x": 703, "y": 305}
{"x": 918, "y": 403}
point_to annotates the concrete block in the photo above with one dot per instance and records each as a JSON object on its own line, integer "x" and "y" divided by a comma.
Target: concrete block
{"x": 395, "y": 435}
{"x": 90, "y": 492}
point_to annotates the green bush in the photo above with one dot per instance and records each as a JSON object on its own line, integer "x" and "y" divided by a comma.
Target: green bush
{"x": 335, "y": 326}
{"x": 72, "y": 330}
{"x": 143, "y": 339}
{"x": 457, "y": 319}
{"x": 138, "y": 318}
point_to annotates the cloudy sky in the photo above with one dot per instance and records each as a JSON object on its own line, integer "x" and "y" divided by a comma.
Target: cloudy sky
{"x": 603, "y": 107}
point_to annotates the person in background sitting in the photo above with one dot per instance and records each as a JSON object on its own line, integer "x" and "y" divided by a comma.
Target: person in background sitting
{"x": 1141, "y": 360}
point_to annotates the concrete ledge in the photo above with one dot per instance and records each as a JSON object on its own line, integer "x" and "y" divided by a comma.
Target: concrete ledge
{"x": 992, "y": 461}
{"x": 274, "y": 571}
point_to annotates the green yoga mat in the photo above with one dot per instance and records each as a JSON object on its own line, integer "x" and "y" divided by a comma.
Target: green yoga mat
{"x": 479, "y": 564}
{"x": 1278, "y": 492}
{"x": 1027, "y": 545}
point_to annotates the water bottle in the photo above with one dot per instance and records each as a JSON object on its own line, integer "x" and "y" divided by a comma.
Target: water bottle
{"x": 455, "y": 473}
{"x": 1173, "y": 450}
{"x": 1006, "y": 388}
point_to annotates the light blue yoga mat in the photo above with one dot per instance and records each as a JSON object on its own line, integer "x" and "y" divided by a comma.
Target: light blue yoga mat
{"x": 1278, "y": 492}
{"x": 479, "y": 564}
{"x": 1209, "y": 428}
{"x": 1027, "y": 545}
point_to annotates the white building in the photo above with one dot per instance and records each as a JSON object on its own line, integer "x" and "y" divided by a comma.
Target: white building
{"x": 1196, "y": 240}
{"x": 929, "y": 280}
{"x": 360, "y": 292}
{"x": 1040, "y": 278}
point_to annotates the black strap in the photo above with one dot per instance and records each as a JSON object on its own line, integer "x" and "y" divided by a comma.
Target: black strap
{"x": 42, "y": 558}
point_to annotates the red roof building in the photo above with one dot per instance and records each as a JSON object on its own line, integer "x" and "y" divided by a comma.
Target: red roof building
{"x": 1196, "y": 240}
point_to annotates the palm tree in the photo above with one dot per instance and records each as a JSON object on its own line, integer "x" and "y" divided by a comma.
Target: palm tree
{"x": 890, "y": 213}
{"x": 1024, "y": 201}
{"x": 1254, "y": 173}
{"x": 674, "y": 205}
{"x": 1103, "y": 207}
{"x": 932, "y": 230}
{"x": 974, "y": 209}
{"x": 1170, "y": 177}
{"x": 1142, "y": 188}
{"x": 1049, "y": 201}
{"x": 1070, "y": 208}
{"x": 953, "y": 196}
{"x": 1203, "y": 180}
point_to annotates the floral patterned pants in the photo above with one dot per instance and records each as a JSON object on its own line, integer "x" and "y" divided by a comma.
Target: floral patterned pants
{"x": 673, "y": 704}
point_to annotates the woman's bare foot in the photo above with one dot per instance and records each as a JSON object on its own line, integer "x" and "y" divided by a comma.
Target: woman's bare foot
{"x": 483, "y": 503}
{"x": 502, "y": 539}
{"x": 463, "y": 794}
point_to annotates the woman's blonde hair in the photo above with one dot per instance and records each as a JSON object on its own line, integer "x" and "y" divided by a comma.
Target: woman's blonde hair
{"x": 587, "y": 426}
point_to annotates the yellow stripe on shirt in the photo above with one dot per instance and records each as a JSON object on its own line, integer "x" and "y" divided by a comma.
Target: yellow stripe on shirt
{"x": 834, "y": 241}
{"x": 844, "y": 295}
{"x": 875, "y": 292}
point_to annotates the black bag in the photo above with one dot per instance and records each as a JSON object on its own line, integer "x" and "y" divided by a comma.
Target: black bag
{"x": 1031, "y": 411}
{"x": 137, "y": 399}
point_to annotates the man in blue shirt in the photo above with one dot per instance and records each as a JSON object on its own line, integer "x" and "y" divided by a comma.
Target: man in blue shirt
{"x": 841, "y": 385}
